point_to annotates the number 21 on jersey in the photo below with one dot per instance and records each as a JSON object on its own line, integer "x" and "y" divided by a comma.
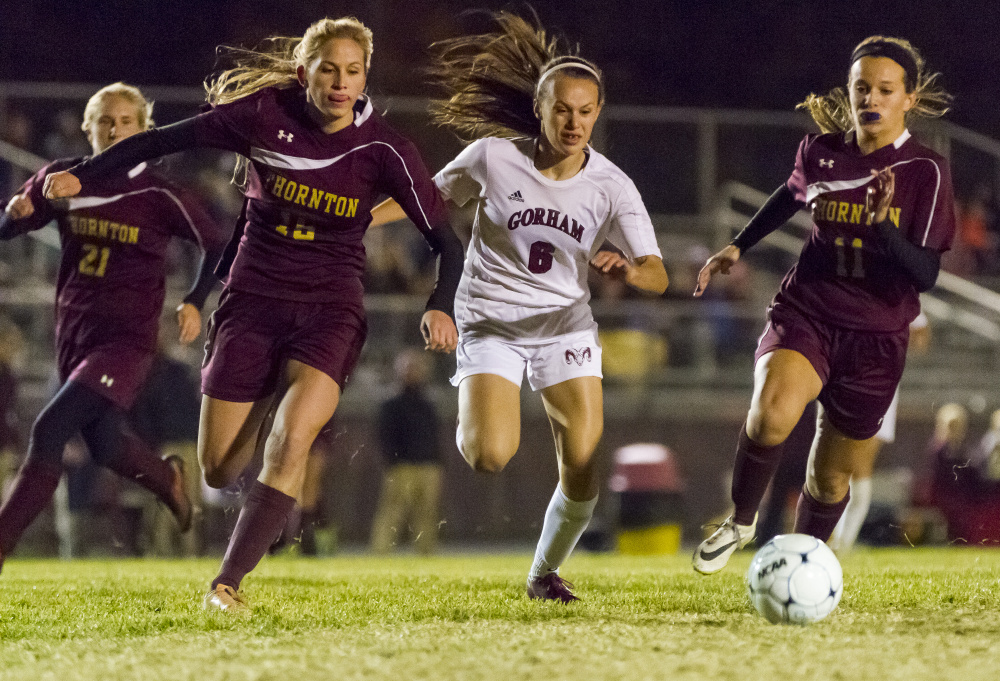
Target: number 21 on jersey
{"x": 95, "y": 260}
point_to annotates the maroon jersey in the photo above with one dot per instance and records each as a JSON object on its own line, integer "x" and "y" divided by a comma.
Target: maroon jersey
{"x": 842, "y": 276}
{"x": 310, "y": 194}
{"x": 114, "y": 241}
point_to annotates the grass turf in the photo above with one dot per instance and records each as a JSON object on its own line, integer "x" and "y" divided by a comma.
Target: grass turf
{"x": 906, "y": 614}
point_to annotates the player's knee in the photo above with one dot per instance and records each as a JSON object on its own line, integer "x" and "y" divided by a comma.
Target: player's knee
{"x": 487, "y": 457}
{"x": 828, "y": 487}
{"x": 771, "y": 421}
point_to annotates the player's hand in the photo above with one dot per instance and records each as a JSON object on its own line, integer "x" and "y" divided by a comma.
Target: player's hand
{"x": 880, "y": 193}
{"x": 611, "y": 264}
{"x": 20, "y": 207}
{"x": 439, "y": 332}
{"x": 189, "y": 322}
{"x": 61, "y": 185}
{"x": 720, "y": 262}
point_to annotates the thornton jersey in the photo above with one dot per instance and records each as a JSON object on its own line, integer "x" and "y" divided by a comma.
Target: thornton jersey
{"x": 525, "y": 276}
{"x": 843, "y": 277}
{"x": 114, "y": 241}
{"x": 309, "y": 194}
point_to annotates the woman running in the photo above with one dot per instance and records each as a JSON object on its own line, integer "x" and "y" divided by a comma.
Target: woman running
{"x": 545, "y": 203}
{"x": 109, "y": 295}
{"x": 291, "y": 321}
{"x": 837, "y": 330}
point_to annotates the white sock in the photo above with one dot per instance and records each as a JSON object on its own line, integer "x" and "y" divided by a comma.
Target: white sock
{"x": 846, "y": 532}
{"x": 565, "y": 521}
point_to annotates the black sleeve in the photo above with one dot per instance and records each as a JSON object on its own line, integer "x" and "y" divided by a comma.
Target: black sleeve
{"x": 132, "y": 151}
{"x": 206, "y": 279}
{"x": 921, "y": 264}
{"x": 778, "y": 210}
{"x": 9, "y": 227}
{"x": 451, "y": 261}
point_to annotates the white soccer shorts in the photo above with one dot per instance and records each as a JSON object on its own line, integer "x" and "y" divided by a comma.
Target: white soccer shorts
{"x": 547, "y": 363}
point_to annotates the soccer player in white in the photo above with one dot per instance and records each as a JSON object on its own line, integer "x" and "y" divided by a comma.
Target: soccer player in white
{"x": 545, "y": 202}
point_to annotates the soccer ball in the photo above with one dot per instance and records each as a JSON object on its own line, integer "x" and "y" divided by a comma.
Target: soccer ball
{"x": 795, "y": 579}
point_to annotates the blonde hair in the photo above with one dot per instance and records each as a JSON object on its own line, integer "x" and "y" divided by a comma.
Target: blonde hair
{"x": 276, "y": 64}
{"x": 491, "y": 80}
{"x": 832, "y": 111}
{"x": 143, "y": 107}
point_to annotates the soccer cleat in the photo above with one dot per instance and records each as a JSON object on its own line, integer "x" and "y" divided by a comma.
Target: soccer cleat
{"x": 713, "y": 553}
{"x": 180, "y": 504}
{"x": 551, "y": 587}
{"x": 224, "y": 598}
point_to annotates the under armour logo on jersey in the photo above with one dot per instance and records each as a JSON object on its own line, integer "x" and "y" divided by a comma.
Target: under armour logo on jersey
{"x": 579, "y": 356}
{"x": 287, "y": 136}
{"x": 516, "y": 196}
{"x": 107, "y": 381}
{"x": 823, "y": 162}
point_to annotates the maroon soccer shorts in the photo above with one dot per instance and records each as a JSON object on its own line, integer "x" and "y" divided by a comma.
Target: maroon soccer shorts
{"x": 859, "y": 369}
{"x": 251, "y": 338}
{"x": 104, "y": 354}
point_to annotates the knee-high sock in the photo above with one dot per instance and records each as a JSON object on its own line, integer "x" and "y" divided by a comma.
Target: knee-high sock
{"x": 116, "y": 448}
{"x": 262, "y": 519}
{"x": 846, "y": 532}
{"x": 33, "y": 488}
{"x": 565, "y": 521}
{"x": 815, "y": 518}
{"x": 752, "y": 472}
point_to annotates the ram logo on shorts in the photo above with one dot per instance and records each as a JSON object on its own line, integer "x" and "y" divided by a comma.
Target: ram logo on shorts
{"x": 579, "y": 356}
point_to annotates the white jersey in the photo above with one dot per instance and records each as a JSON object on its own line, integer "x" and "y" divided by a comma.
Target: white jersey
{"x": 525, "y": 277}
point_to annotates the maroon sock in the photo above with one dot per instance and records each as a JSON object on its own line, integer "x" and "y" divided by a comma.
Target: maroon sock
{"x": 136, "y": 461}
{"x": 752, "y": 473}
{"x": 262, "y": 519}
{"x": 33, "y": 488}
{"x": 817, "y": 519}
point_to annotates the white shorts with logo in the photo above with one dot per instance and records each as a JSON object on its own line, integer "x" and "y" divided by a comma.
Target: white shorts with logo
{"x": 548, "y": 362}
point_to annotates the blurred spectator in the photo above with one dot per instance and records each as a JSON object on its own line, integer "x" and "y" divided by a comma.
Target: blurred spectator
{"x": 974, "y": 250}
{"x": 11, "y": 345}
{"x": 411, "y": 486}
{"x": 66, "y": 140}
{"x": 969, "y": 502}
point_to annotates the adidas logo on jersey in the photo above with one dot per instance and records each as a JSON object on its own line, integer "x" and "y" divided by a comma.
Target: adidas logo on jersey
{"x": 516, "y": 196}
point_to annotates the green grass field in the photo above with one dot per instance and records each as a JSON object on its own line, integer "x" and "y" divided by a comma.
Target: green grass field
{"x": 906, "y": 614}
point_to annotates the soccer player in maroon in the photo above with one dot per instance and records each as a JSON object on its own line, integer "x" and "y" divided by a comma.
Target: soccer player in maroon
{"x": 837, "y": 330}
{"x": 109, "y": 294}
{"x": 291, "y": 324}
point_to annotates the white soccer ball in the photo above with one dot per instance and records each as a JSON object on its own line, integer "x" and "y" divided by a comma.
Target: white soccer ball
{"x": 795, "y": 579}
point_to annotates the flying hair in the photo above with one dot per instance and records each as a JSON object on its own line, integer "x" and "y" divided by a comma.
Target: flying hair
{"x": 492, "y": 80}
{"x": 832, "y": 111}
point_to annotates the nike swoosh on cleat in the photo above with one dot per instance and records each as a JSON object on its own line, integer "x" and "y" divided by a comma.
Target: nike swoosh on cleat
{"x": 712, "y": 555}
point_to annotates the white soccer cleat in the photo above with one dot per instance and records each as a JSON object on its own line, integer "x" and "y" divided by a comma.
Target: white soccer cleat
{"x": 713, "y": 553}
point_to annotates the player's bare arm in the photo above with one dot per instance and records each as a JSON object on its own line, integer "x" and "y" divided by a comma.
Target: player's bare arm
{"x": 188, "y": 322}
{"x": 20, "y": 207}
{"x": 720, "y": 262}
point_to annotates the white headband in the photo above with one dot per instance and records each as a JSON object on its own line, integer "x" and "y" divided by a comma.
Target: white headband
{"x": 565, "y": 65}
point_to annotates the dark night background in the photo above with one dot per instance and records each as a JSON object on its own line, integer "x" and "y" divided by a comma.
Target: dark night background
{"x": 764, "y": 55}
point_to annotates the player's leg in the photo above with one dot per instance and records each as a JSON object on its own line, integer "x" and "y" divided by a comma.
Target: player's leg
{"x": 833, "y": 460}
{"x": 312, "y": 492}
{"x": 304, "y": 408}
{"x": 489, "y": 421}
{"x": 228, "y": 435}
{"x": 576, "y": 413}
{"x": 115, "y": 447}
{"x": 785, "y": 381}
{"x": 72, "y": 408}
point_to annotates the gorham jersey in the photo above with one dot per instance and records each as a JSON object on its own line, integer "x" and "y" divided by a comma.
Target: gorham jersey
{"x": 525, "y": 277}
